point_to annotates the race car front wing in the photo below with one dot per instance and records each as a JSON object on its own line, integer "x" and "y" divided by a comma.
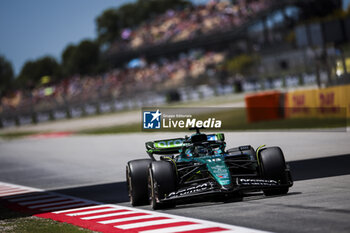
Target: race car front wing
{"x": 211, "y": 188}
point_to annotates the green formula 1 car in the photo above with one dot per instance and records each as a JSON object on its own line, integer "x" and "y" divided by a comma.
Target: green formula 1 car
{"x": 200, "y": 166}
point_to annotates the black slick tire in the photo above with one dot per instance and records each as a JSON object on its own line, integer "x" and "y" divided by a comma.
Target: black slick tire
{"x": 162, "y": 180}
{"x": 273, "y": 167}
{"x": 137, "y": 182}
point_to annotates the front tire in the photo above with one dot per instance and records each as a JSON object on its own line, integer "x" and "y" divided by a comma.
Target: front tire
{"x": 273, "y": 167}
{"x": 162, "y": 181}
{"x": 136, "y": 178}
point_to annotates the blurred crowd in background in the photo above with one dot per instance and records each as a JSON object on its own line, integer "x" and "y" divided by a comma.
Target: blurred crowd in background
{"x": 138, "y": 77}
{"x": 168, "y": 72}
{"x": 178, "y": 25}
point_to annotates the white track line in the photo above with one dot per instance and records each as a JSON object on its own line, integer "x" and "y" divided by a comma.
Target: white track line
{"x": 19, "y": 186}
{"x": 145, "y": 224}
{"x": 107, "y": 215}
{"x": 10, "y": 190}
{"x": 91, "y": 212}
{"x": 119, "y": 219}
{"x": 69, "y": 211}
{"x": 12, "y": 193}
{"x": 124, "y": 213}
{"x": 230, "y": 231}
{"x": 79, "y": 209}
{"x": 206, "y": 222}
{"x": 126, "y": 219}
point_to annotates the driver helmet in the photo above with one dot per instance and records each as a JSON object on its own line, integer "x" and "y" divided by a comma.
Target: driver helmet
{"x": 201, "y": 150}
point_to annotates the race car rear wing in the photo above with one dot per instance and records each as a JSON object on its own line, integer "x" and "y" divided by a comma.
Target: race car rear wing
{"x": 167, "y": 146}
{"x": 174, "y": 145}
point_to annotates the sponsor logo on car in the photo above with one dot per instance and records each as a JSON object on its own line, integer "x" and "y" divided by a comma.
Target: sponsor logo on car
{"x": 258, "y": 182}
{"x": 169, "y": 143}
{"x": 193, "y": 189}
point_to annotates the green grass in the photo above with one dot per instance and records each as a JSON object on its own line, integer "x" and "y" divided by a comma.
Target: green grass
{"x": 132, "y": 128}
{"x": 214, "y": 101}
{"x": 236, "y": 120}
{"x": 18, "y": 134}
{"x": 129, "y": 128}
{"x": 11, "y": 221}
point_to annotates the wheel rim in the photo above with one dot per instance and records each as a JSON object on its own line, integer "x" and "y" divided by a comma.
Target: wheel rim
{"x": 149, "y": 188}
{"x": 152, "y": 197}
{"x": 129, "y": 186}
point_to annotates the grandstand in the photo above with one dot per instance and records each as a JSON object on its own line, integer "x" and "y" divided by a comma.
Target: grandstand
{"x": 235, "y": 21}
{"x": 177, "y": 50}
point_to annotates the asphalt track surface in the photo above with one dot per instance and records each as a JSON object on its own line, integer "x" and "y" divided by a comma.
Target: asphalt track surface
{"x": 93, "y": 167}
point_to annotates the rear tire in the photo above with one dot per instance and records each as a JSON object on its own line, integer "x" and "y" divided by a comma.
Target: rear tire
{"x": 273, "y": 167}
{"x": 162, "y": 181}
{"x": 136, "y": 178}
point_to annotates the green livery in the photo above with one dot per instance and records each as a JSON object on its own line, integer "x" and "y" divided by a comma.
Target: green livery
{"x": 200, "y": 165}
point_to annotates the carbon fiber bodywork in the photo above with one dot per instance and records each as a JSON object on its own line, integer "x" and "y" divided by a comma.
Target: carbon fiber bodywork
{"x": 205, "y": 168}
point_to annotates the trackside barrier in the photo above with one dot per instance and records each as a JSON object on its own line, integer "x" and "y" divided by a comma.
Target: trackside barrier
{"x": 331, "y": 102}
{"x": 300, "y": 103}
{"x": 74, "y": 111}
{"x": 321, "y": 103}
{"x": 347, "y": 100}
{"x": 18, "y": 117}
{"x": 264, "y": 106}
